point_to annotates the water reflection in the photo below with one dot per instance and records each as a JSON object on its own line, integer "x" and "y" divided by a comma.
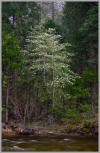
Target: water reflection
{"x": 50, "y": 143}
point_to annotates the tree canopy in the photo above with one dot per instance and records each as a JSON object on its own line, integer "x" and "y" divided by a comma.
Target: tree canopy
{"x": 49, "y": 61}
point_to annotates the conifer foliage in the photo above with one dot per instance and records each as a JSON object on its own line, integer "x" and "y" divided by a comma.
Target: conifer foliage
{"x": 49, "y": 61}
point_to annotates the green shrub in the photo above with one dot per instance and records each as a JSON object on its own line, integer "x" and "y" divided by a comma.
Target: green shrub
{"x": 71, "y": 127}
{"x": 86, "y": 129}
{"x": 3, "y": 112}
{"x": 73, "y": 114}
{"x": 87, "y": 124}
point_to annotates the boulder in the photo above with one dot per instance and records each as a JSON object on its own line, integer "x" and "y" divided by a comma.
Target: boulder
{"x": 26, "y": 132}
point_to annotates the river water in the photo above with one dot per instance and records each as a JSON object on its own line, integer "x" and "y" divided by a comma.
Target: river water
{"x": 50, "y": 143}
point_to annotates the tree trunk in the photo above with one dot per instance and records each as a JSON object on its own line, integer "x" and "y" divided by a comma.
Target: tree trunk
{"x": 24, "y": 122}
{"x": 40, "y": 12}
{"x": 16, "y": 111}
{"x": 53, "y": 93}
{"x": 44, "y": 70}
{"x": 37, "y": 102}
{"x": 53, "y": 90}
{"x": 26, "y": 108}
{"x": 53, "y": 11}
{"x": 94, "y": 97}
{"x": 7, "y": 96}
{"x": 17, "y": 22}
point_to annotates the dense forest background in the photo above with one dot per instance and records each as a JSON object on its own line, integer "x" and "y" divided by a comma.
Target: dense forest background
{"x": 49, "y": 62}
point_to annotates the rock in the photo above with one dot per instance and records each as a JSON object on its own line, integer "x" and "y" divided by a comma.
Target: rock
{"x": 13, "y": 127}
{"x": 96, "y": 131}
{"x": 50, "y": 132}
{"x": 26, "y": 132}
{"x": 3, "y": 125}
{"x": 82, "y": 133}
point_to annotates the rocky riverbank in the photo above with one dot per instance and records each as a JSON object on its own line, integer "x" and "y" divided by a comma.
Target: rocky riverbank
{"x": 10, "y": 130}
